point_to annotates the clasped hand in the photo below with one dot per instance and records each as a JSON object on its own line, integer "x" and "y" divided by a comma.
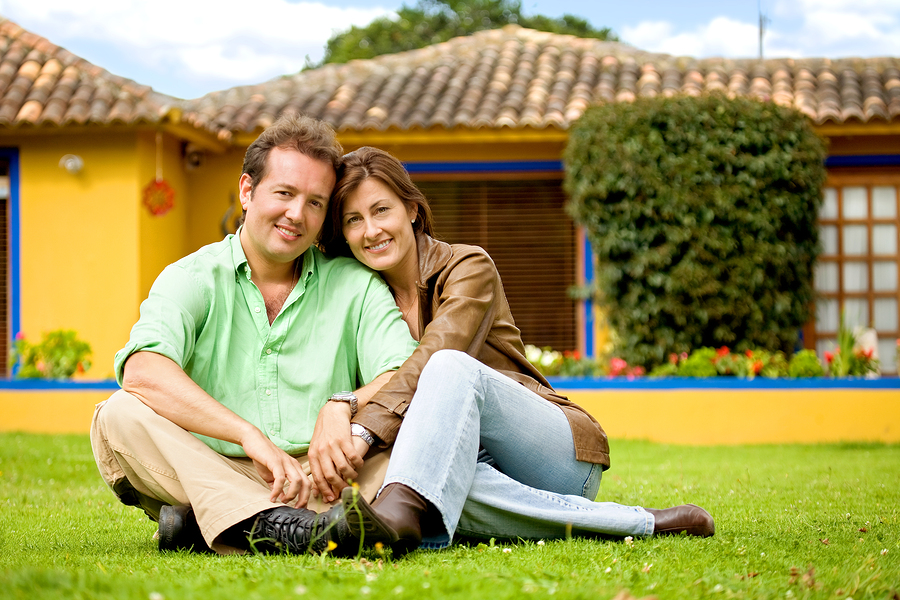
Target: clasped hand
{"x": 334, "y": 455}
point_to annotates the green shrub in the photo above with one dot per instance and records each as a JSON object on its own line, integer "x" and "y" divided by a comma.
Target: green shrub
{"x": 59, "y": 355}
{"x": 805, "y": 364}
{"x": 702, "y": 213}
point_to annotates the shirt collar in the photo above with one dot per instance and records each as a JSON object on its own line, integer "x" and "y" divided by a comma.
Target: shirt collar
{"x": 242, "y": 267}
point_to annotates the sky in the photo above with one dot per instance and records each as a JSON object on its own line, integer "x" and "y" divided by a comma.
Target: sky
{"x": 187, "y": 48}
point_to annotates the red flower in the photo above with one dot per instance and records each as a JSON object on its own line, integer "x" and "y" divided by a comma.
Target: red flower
{"x": 828, "y": 357}
{"x": 749, "y": 353}
{"x": 723, "y": 351}
{"x": 757, "y": 367}
{"x": 673, "y": 358}
{"x": 616, "y": 366}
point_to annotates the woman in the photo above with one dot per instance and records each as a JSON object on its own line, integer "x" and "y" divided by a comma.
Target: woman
{"x": 487, "y": 448}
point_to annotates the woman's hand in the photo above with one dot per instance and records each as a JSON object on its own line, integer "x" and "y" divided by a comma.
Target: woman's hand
{"x": 334, "y": 457}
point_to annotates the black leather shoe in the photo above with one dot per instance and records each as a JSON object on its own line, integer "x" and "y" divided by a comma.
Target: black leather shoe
{"x": 178, "y": 530}
{"x": 296, "y": 530}
{"x": 687, "y": 518}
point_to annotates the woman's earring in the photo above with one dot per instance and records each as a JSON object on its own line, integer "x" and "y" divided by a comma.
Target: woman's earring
{"x": 413, "y": 221}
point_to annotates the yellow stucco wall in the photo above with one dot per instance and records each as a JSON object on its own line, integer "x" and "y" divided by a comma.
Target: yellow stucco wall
{"x": 79, "y": 244}
{"x": 734, "y": 416}
{"x": 745, "y": 416}
{"x": 90, "y": 249}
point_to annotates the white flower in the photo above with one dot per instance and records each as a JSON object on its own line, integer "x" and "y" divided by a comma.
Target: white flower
{"x": 371, "y": 576}
{"x": 532, "y": 353}
{"x": 883, "y": 551}
{"x": 507, "y": 550}
{"x": 629, "y": 540}
{"x": 365, "y": 590}
{"x": 156, "y": 596}
{"x": 608, "y": 570}
{"x": 540, "y": 542}
{"x": 300, "y": 590}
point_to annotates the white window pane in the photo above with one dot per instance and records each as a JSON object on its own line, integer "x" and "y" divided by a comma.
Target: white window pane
{"x": 884, "y": 202}
{"x": 827, "y": 314}
{"x": 884, "y": 275}
{"x": 829, "y": 240}
{"x": 856, "y": 277}
{"x": 885, "y": 314}
{"x": 856, "y": 313}
{"x": 827, "y": 277}
{"x": 887, "y": 354}
{"x": 884, "y": 239}
{"x": 829, "y": 205}
{"x": 856, "y": 240}
{"x": 856, "y": 203}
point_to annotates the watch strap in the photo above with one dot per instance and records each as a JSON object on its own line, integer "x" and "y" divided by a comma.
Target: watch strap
{"x": 360, "y": 431}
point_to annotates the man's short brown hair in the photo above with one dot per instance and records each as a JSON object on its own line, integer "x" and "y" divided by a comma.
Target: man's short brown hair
{"x": 311, "y": 137}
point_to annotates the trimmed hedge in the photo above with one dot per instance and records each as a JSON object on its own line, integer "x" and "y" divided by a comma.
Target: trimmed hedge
{"x": 702, "y": 213}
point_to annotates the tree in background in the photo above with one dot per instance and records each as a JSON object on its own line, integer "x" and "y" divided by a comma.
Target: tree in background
{"x": 433, "y": 21}
{"x": 702, "y": 213}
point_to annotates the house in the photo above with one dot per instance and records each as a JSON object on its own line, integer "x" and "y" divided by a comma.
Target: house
{"x": 481, "y": 122}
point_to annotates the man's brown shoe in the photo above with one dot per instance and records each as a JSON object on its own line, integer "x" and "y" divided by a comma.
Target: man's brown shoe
{"x": 687, "y": 518}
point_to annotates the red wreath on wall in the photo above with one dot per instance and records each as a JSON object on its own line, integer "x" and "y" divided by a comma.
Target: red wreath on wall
{"x": 159, "y": 197}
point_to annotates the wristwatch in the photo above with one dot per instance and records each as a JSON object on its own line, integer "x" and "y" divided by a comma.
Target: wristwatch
{"x": 361, "y": 432}
{"x": 348, "y": 397}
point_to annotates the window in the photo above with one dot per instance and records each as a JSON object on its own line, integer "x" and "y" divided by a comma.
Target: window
{"x": 524, "y": 227}
{"x": 857, "y": 273}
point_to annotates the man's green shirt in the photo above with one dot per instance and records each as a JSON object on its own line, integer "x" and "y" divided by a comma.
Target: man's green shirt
{"x": 338, "y": 330}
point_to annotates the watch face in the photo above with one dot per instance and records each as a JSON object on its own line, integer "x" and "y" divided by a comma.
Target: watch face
{"x": 346, "y": 396}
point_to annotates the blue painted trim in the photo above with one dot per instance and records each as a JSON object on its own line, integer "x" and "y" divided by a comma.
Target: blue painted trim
{"x": 588, "y": 306}
{"x": 52, "y": 384}
{"x": 721, "y": 383}
{"x": 864, "y": 160}
{"x": 522, "y": 166}
{"x": 11, "y": 155}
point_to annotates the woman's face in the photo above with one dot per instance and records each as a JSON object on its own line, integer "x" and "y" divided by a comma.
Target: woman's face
{"x": 377, "y": 226}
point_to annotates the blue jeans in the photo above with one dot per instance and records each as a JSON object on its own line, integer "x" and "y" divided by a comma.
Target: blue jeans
{"x": 497, "y": 460}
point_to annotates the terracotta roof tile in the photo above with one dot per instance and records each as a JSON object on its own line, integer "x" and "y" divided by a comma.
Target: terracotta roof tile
{"x": 514, "y": 77}
{"x": 42, "y": 84}
{"x": 505, "y": 78}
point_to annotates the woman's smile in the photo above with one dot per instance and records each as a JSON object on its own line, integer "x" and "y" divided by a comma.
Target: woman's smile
{"x": 379, "y": 246}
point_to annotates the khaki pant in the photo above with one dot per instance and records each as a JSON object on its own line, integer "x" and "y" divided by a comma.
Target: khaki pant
{"x": 148, "y": 461}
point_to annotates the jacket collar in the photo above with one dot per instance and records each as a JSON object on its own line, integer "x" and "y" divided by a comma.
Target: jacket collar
{"x": 433, "y": 256}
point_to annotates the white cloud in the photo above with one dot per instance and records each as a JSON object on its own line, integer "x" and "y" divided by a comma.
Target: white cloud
{"x": 206, "y": 39}
{"x": 836, "y": 28}
{"x": 827, "y": 28}
{"x": 721, "y": 36}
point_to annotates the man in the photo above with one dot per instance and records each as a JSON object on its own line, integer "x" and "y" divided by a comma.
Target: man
{"x": 241, "y": 344}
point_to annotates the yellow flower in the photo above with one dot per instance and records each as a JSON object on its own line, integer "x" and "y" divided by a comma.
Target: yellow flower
{"x": 331, "y": 546}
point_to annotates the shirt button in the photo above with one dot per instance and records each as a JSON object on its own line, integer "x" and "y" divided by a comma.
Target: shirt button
{"x": 268, "y": 351}
{"x": 256, "y": 309}
{"x": 268, "y": 392}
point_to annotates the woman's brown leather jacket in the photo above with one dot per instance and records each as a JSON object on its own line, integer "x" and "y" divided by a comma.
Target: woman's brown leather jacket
{"x": 462, "y": 306}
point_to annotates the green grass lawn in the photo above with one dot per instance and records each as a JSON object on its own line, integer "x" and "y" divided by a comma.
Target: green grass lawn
{"x": 792, "y": 522}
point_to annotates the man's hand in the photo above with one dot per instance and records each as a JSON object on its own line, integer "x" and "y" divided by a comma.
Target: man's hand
{"x": 277, "y": 467}
{"x": 333, "y": 456}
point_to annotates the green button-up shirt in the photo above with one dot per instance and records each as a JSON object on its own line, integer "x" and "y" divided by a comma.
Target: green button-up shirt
{"x": 338, "y": 330}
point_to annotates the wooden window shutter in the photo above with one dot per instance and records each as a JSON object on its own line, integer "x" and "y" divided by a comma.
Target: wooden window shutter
{"x": 525, "y": 229}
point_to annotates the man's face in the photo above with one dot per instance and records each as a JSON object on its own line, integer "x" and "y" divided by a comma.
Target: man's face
{"x": 286, "y": 211}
